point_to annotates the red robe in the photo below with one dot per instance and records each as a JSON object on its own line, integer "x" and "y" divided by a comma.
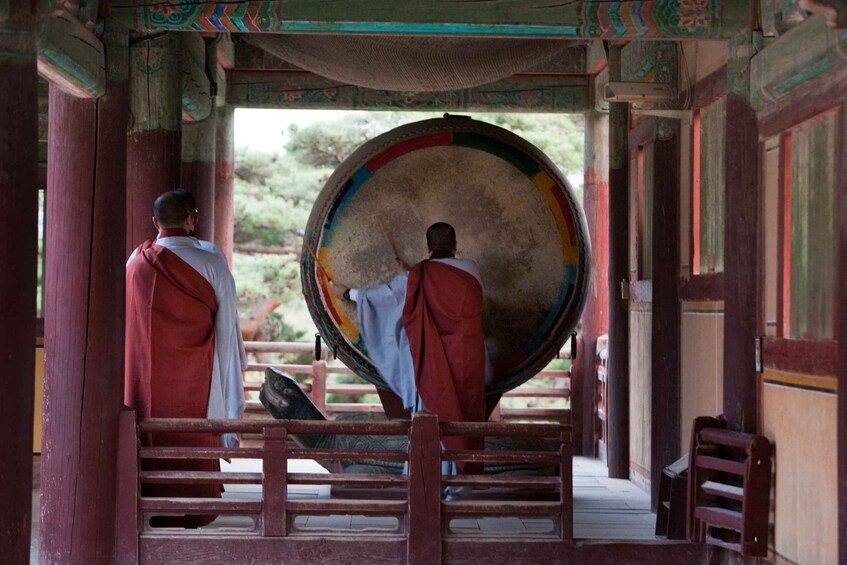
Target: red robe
{"x": 170, "y": 342}
{"x": 443, "y": 319}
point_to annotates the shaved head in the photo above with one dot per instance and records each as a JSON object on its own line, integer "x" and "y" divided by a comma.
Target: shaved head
{"x": 171, "y": 208}
{"x": 441, "y": 239}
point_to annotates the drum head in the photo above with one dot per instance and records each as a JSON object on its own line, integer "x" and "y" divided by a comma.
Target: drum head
{"x": 514, "y": 214}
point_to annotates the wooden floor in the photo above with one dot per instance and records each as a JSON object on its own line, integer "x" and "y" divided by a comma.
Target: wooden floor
{"x": 604, "y": 509}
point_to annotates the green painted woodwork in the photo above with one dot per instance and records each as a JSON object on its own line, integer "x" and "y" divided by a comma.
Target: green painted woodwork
{"x": 5, "y": 10}
{"x": 300, "y": 89}
{"x": 116, "y": 40}
{"x": 196, "y": 96}
{"x": 712, "y": 186}
{"x": 812, "y": 259}
{"x": 741, "y": 50}
{"x": 71, "y": 57}
{"x": 154, "y": 84}
{"x": 652, "y": 62}
{"x": 675, "y": 19}
{"x": 804, "y": 53}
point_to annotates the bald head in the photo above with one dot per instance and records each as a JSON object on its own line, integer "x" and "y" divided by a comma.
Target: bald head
{"x": 172, "y": 208}
{"x": 441, "y": 240}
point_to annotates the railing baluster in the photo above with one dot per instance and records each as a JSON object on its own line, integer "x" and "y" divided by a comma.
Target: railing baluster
{"x": 274, "y": 483}
{"x": 423, "y": 522}
{"x": 319, "y": 384}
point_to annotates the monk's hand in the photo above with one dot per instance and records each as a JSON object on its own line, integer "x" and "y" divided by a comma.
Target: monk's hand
{"x": 401, "y": 265}
{"x": 338, "y": 289}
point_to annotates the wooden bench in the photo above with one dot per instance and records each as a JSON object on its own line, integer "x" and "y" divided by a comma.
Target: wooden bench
{"x": 729, "y": 483}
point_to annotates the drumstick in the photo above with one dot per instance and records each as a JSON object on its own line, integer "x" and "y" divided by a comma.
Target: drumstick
{"x": 389, "y": 237}
{"x": 315, "y": 259}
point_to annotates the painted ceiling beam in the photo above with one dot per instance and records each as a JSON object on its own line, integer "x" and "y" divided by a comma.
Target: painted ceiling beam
{"x": 661, "y": 19}
{"x": 571, "y": 60}
{"x": 802, "y": 54}
{"x": 196, "y": 91}
{"x": 72, "y": 57}
{"x": 304, "y": 90}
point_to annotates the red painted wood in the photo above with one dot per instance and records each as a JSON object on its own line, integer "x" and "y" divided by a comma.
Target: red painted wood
{"x": 800, "y": 356}
{"x": 566, "y": 488}
{"x": 706, "y": 287}
{"x": 424, "y": 519}
{"x": 784, "y": 298}
{"x": 665, "y": 328}
{"x": 18, "y": 237}
{"x": 224, "y": 181}
{"x": 595, "y": 316}
{"x": 274, "y": 483}
{"x": 709, "y": 89}
{"x": 841, "y": 331}
{"x": 579, "y": 392}
{"x": 198, "y": 177}
{"x": 127, "y": 517}
{"x": 695, "y": 196}
{"x": 152, "y": 167}
{"x": 84, "y": 325}
{"x": 741, "y": 263}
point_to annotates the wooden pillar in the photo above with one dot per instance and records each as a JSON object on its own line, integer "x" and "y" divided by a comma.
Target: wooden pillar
{"x": 665, "y": 330}
{"x": 198, "y": 171}
{"x": 224, "y": 180}
{"x": 617, "y": 386}
{"x": 595, "y": 315}
{"x": 741, "y": 264}
{"x": 153, "y": 144}
{"x": 841, "y": 332}
{"x": 84, "y": 323}
{"x": 18, "y": 253}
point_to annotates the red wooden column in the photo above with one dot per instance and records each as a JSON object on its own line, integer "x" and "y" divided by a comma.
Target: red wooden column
{"x": 84, "y": 322}
{"x": 665, "y": 331}
{"x": 841, "y": 332}
{"x": 224, "y": 180}
{"x": 153, "y": 144}
{"x": 741, "y": 264}
{"x": 18, "y": 238}
{"x": 595, "y": 315}
{"x": 198, "y": 171}
{"x": 617, "y": 387}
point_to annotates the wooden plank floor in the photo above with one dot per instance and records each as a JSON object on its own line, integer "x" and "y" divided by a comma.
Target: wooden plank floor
{"x": 604, "y": 509}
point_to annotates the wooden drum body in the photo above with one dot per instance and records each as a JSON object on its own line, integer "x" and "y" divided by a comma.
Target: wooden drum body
{"x": 514, "y": 214}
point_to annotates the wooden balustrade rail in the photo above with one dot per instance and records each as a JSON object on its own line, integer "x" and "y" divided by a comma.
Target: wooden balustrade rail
{"x": 422, "y": 517}
{"x": 320, "y": 384}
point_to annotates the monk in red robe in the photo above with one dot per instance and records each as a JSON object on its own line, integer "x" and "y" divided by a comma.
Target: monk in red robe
{"x": 443, "y": 320}
{"x": 184, "y": 354}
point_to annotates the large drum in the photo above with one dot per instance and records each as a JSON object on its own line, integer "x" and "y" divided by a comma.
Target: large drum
{"x": 514, "y": 214}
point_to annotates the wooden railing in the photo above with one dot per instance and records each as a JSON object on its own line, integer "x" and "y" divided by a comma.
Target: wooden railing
{"x": 422, "y": 533}
{"x": 601, "y": 370}
{"x": 316, "y": 379}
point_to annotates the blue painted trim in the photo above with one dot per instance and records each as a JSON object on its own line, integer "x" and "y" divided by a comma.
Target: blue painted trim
{"x": 430, "y": 28}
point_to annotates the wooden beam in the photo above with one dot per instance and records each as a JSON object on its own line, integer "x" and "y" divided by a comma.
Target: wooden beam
{"x": 534, "y": 18}
{"x": 835, "y": 11}
{"x": 84, "y": 323}
{"x": 570, "y": 60}
{"x": 198, "y": 171}
{"x": 741, "y": 263}
{"x": 595, "y": 314}
{"x": 301, "y": 89}
{"x": 665, "y": 328}
{"x": 807, "y": 51}
{"x": 71, "y": 57}
{"x": 617, "y": 402}
{"x": 18, "y": 253}
{"x": 196, "y": 95}
{"x": 224, "y": 180}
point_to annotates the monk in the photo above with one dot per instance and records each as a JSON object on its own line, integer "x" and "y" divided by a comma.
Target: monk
{"x": 432, "y": 330}
{"x": 184, "y": 353}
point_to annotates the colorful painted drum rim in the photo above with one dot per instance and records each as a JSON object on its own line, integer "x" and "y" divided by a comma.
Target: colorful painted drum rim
{"x": 353, "y": 173}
